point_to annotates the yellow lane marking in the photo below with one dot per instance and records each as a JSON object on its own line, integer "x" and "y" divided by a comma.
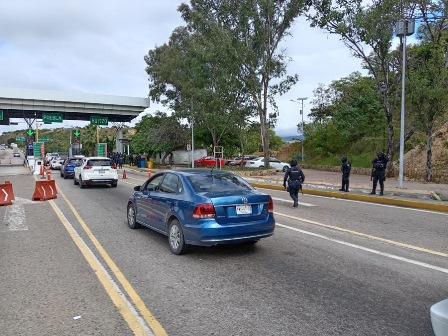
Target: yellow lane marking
{"x": 392, "y": 242}
{"x": 144, "y": 311}
{"x": 119, "y": 302}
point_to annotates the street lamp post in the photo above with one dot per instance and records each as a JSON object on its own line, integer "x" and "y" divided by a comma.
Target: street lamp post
{"x": 301, "y": 112}
{"x": 404, "y": 28}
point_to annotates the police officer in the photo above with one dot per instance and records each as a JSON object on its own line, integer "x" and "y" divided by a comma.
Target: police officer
{"x": 379, "y": 172}
{"x": 294, "y": 177}
{"x": 346, "y": 167}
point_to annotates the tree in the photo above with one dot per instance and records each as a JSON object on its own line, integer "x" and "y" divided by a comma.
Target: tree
{"x": 320, "y": 112}
{"x": 89, "y": 140}
{"x": 367, "y": 30}
{"x": 249, "y": 33}
{"x": 187, "y": 75}
{"x": 356, "y": 108}
{"x": 428, "y": 75}
{"x": 168, "y": 136}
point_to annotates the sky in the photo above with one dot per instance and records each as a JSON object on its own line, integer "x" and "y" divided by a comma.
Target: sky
{"x": 98, "y": 46}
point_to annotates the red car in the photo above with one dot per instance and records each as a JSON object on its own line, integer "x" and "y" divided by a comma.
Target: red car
{"x": 209, "y": 161}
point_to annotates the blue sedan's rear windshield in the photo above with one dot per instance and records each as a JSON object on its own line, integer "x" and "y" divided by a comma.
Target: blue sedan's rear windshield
{"x": 218, "y": 182}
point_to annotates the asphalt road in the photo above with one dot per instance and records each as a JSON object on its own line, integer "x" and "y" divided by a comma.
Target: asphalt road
{"x": 333, "y": 267}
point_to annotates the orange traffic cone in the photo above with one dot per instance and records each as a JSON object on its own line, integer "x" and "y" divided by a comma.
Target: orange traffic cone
{"x": 124, "y": 174}
{"x": 48, "y": 174}
{"x": 42, "y": 170}
{"x": 149, "y": 172}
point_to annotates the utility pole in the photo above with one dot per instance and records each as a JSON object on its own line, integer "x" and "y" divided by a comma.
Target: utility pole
{"x": 301, "y": 129}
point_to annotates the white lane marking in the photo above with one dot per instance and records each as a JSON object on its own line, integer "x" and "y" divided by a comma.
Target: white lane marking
{"x": 15, "y": 218}
{"x": 384, "y": 254}
{"x": 377, "y": 204}
{"x": 290, "y": 200}
{"x": 84, "y": 247}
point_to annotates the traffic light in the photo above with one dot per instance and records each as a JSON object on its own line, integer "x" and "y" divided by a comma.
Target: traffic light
{"x": 76, "y": 136}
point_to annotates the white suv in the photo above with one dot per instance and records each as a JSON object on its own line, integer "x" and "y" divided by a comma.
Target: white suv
{"x": 95, "y": 170}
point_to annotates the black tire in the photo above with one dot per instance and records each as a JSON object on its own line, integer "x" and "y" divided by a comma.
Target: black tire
{"x": 81, "y": 183}
{"x": 176, "y": 241}
{"x": 75, "y": 182}
{"x": 132, "y": 221}
{"x": 65, "y": 176}
{"x": 114, "y": 185}
{"x": 261, "y": 167}
{"x": 61, "y": 173}
{"x": 285, "y": 168}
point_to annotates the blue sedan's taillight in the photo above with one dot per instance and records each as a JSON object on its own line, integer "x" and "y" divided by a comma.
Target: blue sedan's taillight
{"x": 205, "y": 210}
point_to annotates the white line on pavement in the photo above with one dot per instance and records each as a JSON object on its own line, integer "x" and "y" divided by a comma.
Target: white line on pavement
{"x": 388, "y": 255}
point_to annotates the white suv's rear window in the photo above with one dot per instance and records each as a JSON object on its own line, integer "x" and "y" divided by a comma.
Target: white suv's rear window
{"x": 99, "y": 163}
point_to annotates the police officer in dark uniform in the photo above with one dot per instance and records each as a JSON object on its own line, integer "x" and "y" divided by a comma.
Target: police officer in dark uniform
{"x": 346, "y": 167}
{"x": 294, "y": 177}
{"x": 379, "y": 172}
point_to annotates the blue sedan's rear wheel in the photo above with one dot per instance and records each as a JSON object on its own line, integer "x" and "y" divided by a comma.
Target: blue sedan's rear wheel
{"x": 132, "y": 221}
{"x": 176, "y": 239}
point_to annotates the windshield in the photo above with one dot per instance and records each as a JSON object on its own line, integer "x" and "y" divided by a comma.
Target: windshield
{"x": 218, "y": 182}
{"x": 99, "y": 163}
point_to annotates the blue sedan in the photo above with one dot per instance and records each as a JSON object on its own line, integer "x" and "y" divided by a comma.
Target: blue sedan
{"x": 201, "y": 207}
{"x": 68, "y": 166}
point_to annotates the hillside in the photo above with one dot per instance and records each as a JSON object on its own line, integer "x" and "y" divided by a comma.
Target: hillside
{"x": 414, "y": 160}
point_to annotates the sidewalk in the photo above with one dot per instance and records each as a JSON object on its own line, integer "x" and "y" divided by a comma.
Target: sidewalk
{"x": 413, "y": 194}
{"x": 362, "y": 183}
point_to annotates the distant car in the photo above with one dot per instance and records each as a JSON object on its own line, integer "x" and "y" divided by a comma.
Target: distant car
{"x": 56, "y": 163}
{"x": 68, "y": 166}
{"x": 209, "y": 161}
{"x": 273, "y": 163}
{"x": 201, "y": 207}
{"x": 238, "y": 161}
{"x": 50, "y": 156}
{"x": 16, "y": 154}
{"x": 95, "y": 170}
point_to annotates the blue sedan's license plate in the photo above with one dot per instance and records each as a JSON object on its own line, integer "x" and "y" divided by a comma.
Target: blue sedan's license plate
{"x": 243, "y": 209}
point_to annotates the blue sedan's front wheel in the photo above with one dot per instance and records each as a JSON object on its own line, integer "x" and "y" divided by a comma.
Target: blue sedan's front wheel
{"x": 132, "y": 221}
{"x": 176, "y": 239}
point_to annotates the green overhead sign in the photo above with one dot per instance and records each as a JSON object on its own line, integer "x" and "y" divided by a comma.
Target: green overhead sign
{"x": 76, "y": 133}
{"x": 20, "y": 139}
{"x": 29, "y": 132}
{"x": 43, "y": 139}
{"x": 1, "y": 114}
{"x": 52, "y": 117}
{"x": 100, "y": 121}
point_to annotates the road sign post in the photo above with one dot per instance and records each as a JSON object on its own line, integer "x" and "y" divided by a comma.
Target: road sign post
{"x": 38, "y": 149}
{"x": 102, "y": 149}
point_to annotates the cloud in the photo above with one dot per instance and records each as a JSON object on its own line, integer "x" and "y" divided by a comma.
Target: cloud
{"x": 99, "y": 47}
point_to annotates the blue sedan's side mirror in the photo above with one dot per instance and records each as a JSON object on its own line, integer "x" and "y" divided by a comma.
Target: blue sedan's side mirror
{"x": 137, "y": 188}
